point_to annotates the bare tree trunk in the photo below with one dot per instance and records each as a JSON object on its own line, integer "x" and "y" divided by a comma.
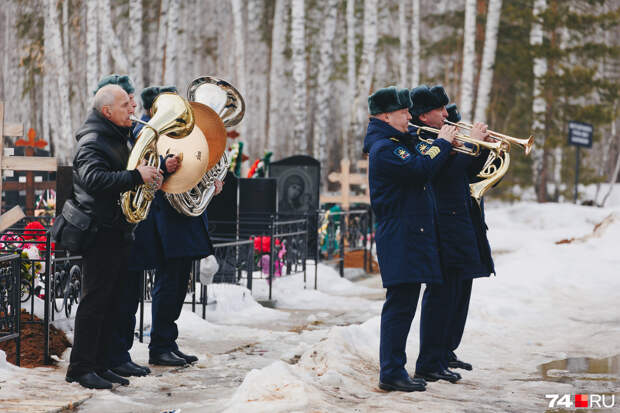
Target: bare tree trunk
{"x": 92, "y": 64}
{"x": 324, "y": 86}
{"x": 367, "y": 70}
{"x": 538, "y": 105}
{"x": 172, "y": 49}
{"x": 276, "y": 72}
{"x": 110, "y": 39}
{"x": 488, "y": 60}
{"x": 469, "y": 61}
{"x": 60, "y": 70}
{"x": 160, "y": 51}
{"x": 136, "y": 51}
{"x": 237, "y": 12}
{"x": 415, "y": 44}
{"x": 403, "y": 29}
{"x": 256, "y": 79}
{"x": 298, "y": 43}
{"x": 347, "y": 130}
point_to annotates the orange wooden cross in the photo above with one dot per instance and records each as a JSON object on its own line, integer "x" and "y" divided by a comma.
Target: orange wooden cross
{"x": 31, "y": 142}
{"x": 27, "y": 163}
{"x": 346, "y": 179}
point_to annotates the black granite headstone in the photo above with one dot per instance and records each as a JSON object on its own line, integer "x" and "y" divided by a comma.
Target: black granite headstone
{"x": 298, "y": 191}
{"x": 222, "y": 210}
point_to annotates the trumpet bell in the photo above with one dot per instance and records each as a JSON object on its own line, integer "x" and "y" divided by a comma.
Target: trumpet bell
{"x": 200, "y": 150}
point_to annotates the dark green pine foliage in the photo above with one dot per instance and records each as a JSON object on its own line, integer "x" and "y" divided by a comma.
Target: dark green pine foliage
{"x": 576, "y": 86}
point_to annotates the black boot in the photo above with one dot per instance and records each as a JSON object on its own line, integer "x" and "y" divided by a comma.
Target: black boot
{"x": 442, "y": 374}
{"x": 458, "y": 364}
{"x": 113, "y": 378}
{"x": 189, "y": 359}
{"x": 167, "y": 359}
{"x": 145, "y": 368}
{"x": 90, "y": 381}
{"x": 129, "y": 369}
{"x": 404, "y": 384}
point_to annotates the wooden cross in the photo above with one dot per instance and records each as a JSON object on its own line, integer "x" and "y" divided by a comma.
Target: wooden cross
{"x": 27, "y": 163}
{"x": 346, "y": 179}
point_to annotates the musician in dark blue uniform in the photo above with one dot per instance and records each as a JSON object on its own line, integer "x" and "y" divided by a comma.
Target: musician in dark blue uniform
{"x": 459, "y": 242}
{"x": 462, "y": 292}
{"x": 400, "y": 172}
{"x": 170, "y": 242}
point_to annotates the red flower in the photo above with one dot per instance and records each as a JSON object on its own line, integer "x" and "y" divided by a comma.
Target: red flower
{"x": 37, "y": 230}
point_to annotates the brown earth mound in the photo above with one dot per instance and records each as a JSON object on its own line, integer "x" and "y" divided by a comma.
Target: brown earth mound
{"x": 31, "y": 353}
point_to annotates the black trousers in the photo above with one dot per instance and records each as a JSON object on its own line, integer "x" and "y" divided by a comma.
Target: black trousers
{"x": 396, "y": 317}
{"x": 105, "y": 273}
{"x": 168, "y": 296}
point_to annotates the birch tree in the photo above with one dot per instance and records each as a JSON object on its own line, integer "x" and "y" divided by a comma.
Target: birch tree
{"x": 276, "y": 72}
{"x": 349, "y": 118}
{"x": 60, "y": 71}
{"x": 162, "y": 32}
{"x": 92, "y": 63}
{"x": 367, "y": 69}
{"x": 110, "y": 39}
{"x": 239, "y": 54}
{"x": 403, "y": 30}
{"x": 415, "y": 44}
{"x": 538, "y": 104}
{"x": 255, "y": 77}
{"x": 136, "y": 51}
{"x": 323, "y": 84}
{"x": 172, "y": 47}
{"x": 488, "y": 60}
{"x": 298, "y": 44}
{"x": 469, "y": 61}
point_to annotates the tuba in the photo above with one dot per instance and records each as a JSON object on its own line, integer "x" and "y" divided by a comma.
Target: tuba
{"x": 173, "y": 116}
{"x": 221, "y": 106}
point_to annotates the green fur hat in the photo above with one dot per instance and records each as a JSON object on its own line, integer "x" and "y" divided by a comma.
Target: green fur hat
{"x": 123, "y": 81}
{"x": 426, "y": 99}
{"x": 388, "y": 99}
{"x": 149, "y": 94}
{"x": 454, "y": 115}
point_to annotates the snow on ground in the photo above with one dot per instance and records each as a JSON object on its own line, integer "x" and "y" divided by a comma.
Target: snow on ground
{"x": 317, "y": 350}
{"x": 548, "y": 302}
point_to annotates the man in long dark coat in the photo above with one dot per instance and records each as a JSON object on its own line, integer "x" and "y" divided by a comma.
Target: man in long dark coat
{"x": 400, "y": 172}
{"x": 464, "y": 251}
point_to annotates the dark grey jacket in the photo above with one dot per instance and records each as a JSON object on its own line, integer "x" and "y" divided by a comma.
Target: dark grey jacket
{"x": 99, "y": 174}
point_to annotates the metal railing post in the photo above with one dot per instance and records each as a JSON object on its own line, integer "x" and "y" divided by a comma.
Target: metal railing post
{"x": 48, "y": 294}
{"x": 343, "y": 228}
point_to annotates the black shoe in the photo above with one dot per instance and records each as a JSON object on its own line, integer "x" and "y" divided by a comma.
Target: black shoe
{"x": 406, "y": 384}
{"x": 458, "y": 364}
{"x": 145, "y": 368}
{"x": 90, "y": 381}
{"x": 189, "y": 359}
{"x": 418, "y": 380}
{"x": 113, "y": 378}
{"x": 458, "y": 375}
{"x": 438, "y": 375}
{"x": 129, "y": 369}
{"x": 167, "y": 359}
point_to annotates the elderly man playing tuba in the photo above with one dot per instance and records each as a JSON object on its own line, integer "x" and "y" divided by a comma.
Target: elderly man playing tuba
{"x": 99, "y": 177}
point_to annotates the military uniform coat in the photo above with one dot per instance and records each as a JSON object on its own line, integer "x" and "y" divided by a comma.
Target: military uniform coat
{"x": 463, "y": 242}
{"x": 401, "y": 194}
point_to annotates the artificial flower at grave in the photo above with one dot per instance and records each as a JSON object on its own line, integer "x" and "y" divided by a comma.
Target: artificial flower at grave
{"x": 260, "y": 166}
{"x": 236, "y": 157}
{"x": 46, "y": 204}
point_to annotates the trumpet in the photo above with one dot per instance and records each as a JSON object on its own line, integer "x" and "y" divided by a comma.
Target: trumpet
{"x": 473, "y": 150}
{"x": 526, "y": 144}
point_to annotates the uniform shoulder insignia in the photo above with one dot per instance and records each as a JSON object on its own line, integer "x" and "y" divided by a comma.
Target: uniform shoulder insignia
{"x": 426, "y": 149}
{"x": 402, "y": 153}
{"x": 394, "y": 139}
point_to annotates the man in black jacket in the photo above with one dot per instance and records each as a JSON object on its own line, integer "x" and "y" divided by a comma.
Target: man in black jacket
{"x": 99, "y": 177}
